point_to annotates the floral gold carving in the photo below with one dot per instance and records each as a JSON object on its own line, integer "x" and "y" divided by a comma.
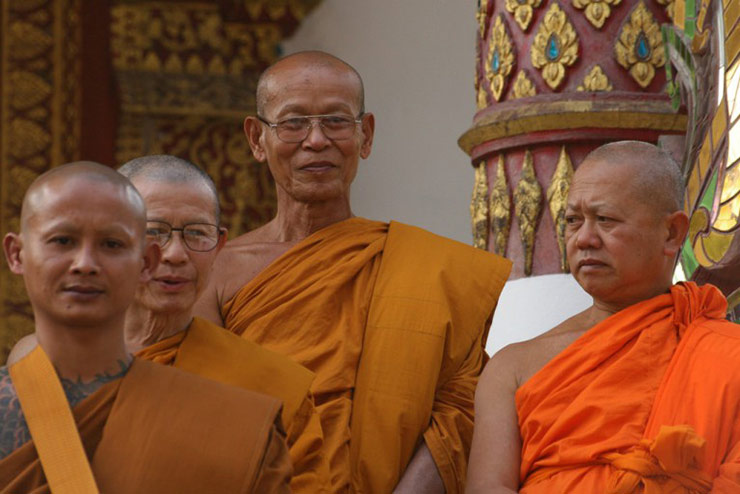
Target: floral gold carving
{"x": 482, "y": 99}
{"x": 669, "y": 7}
{"x": 596, "y": 80}
{"x": 500, "y": 58}
{"x": 523, "y": 86}
{"x": 555, "y": 46}
{"x": 480, "y": 16}
{"x": 499, "y": 206}
{"x": 527, "y": 207}
{"x": 639, "y": 48}
{"x": 596, "y": 11}
{"x": 557, "y": 198}
{"x": 522, "y": 11}
{"x": 479, "y": 207}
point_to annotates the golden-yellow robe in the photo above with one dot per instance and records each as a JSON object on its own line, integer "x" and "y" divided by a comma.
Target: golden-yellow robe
{"x": 392, "y": 320}
{"x": 154, "y": 431}
{"x": 209, "y": 351}
{"x": 648, "y": 400}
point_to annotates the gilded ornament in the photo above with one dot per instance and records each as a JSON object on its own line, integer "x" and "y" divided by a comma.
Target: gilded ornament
{"x": 480, "y": 16}
{"x": 499, "y": 206}
{"x": 479, "y": 207}
{"x": 500, "y": 58}
{"x": 597, "y": 11}
{"x": 555, "y": 46}
{"x": 482, "y": 99}
{"x": 557, "y": 199}
{"x": 596, "y": 80}
{"x": 523, "y": 86}
{"x": 522, "y": 11}
{"x": 639, "y": 48}
{"x": 527, "y": 206}
{"x": 669, "y": 7}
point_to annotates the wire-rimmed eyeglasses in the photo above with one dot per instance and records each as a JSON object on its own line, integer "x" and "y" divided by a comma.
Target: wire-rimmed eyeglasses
{"x": 296, "y": 129}
{"x": 199, "y": 237}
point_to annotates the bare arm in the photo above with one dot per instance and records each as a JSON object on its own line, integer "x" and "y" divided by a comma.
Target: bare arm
{"x": 421, "y": 475}
{"x": 495, "y": 455}
{"x": 208, "y": 306}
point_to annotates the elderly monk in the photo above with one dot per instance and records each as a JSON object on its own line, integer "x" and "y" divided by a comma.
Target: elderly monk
{"x": 390, "y": 318}
{"x": 641, "y": 391}
{"x": 183, "y": 217}
{"x": 134, "y": 426}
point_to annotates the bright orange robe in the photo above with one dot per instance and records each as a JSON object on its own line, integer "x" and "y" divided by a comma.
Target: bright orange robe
{"x": 153, "y": 431}
{"x": 391, "y": 319}
{"x": 209, "y": 351}
{"x": 647, "y": 401}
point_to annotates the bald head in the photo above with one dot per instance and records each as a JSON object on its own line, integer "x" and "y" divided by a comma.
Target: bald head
{"x": 170, "y": 169}
{"x": 85, "y": 171}
{"x": 305, "y": 60}
{"x": 655, "y": 176}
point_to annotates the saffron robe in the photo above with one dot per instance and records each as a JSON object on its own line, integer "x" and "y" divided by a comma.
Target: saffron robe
{"x": 648, "y": 400}
{"x": 154, "y": 431}
{"x": 392, "y": 320}
{"x": 209, "y": 351}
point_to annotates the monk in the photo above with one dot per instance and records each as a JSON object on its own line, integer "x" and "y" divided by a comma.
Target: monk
{"x": 390, "y": 318}
{"x": 79, "y": 415}
{"x": 641, "y": 391}
{"x": 180, "y": 197}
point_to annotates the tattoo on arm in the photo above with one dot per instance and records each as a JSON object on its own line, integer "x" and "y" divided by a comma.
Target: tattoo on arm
{"x": 13, "y": 427}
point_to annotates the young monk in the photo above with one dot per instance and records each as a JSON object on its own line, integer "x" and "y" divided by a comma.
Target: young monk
{"x": 134, "y": 426}
{"x": 641, "y": 391}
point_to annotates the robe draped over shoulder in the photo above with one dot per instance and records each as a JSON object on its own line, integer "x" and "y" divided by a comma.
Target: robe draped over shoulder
{"x": 648, "y": 400}
{"x": 392, "y": 320}
{"x": 212, "y": 352}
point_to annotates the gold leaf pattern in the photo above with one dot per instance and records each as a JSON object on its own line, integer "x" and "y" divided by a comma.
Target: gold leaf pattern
{"x": 522, "y": 11}
{"x": 669, "y": 7}
{"x": 479, "y": 207}
{"x": 639, "y": 48}
{"x": 555, "y": 46}
{"x": 480, "y": 16}
{"x": 499, "y": 206}
{"x": 500, "y": 58}
{"x": 557, "y": 198}
{"x": 597, "y": 11}
{"x": 523, "y": 86}
{"x": 527, "y": 207}
{"x": 596, "y": 80}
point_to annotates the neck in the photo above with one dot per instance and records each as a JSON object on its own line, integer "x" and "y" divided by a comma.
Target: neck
{"x": 601, "y": 309}
{"x": 144, "y": 327}
{"x": 297, "y": 220}
{"x": 82, "y": 354}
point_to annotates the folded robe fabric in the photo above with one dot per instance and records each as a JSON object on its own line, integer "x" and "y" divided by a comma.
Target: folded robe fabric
{"x": 212, "y": 352}
{"x": 647, "y": 401}
{"x": 392, "y": 321}
{"x": 154, "y": 431}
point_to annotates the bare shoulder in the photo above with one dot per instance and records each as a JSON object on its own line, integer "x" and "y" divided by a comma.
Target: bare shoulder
{"x": 13, "y": 429}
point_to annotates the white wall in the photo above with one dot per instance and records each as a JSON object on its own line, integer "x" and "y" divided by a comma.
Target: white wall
{"x": 417, "y": 59}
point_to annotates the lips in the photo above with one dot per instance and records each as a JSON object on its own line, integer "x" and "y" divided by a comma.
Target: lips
{"x": 317, "y": 167}
{"x": 83, "y": 291}
{"x": 171, "y": 283}
{"x": 590, "y": 264}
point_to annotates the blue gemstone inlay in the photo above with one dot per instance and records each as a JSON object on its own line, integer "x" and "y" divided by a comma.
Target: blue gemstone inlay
{"x": 553, "y": 48}
{"x": 642, "y": 48}
{"x": 495, "y": 62}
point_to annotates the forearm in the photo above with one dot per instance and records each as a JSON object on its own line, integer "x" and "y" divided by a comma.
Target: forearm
{"x": 421, "y": 475}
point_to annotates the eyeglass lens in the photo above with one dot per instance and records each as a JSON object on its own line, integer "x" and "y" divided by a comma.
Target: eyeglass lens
{"x": 199, "y": 237}
{"x": 335, "y": 127}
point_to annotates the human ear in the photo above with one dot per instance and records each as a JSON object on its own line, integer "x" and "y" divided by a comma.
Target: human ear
{"x": 368, "y": 131}
{"x": 152, "y": 256}
{"x": 253, "y": 131}
{"x": 678, "y": 227}
{"x": 222, "y": 238}
{"x": 12, "y": 246}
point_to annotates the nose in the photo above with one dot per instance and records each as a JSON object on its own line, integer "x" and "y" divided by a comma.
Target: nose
{"x": 85, "y": 261}
{"x": 175, "y": 251}
{"x": 587, "y": 236}
{"x": 316, "y": 139}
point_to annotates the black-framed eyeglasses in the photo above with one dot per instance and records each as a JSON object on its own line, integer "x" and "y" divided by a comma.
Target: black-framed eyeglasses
{"x": 296, "y": 129}
{"x": 198, "y": 237}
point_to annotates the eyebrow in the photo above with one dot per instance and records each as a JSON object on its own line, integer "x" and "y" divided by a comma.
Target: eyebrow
{"x": 300, "y": 109}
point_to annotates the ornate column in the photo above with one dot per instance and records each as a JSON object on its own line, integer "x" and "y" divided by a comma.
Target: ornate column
{"x": 555, "y": 79}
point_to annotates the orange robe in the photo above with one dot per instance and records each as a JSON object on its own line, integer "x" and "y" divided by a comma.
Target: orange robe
{"x": 392, "y": 320}
{"x": 154, "y": 431}
{"x": 209, "y": 351}
{"x": 648, "y": 401}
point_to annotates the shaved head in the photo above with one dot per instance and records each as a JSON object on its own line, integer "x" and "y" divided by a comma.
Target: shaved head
{"x": 170, "y": 169}
{"x": 305, "y": 60}
{"x": 657, "y": 178}
{"x": 87, "y": 171}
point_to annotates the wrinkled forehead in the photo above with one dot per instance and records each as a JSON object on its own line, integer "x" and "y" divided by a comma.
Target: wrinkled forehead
{"x": 167, "y": 199}
{"x": 300, "y": 84}
{"x": 602, "y": 183}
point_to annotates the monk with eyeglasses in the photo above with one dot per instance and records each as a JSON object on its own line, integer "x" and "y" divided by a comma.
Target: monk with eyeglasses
{"x": 392, "y": 319}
